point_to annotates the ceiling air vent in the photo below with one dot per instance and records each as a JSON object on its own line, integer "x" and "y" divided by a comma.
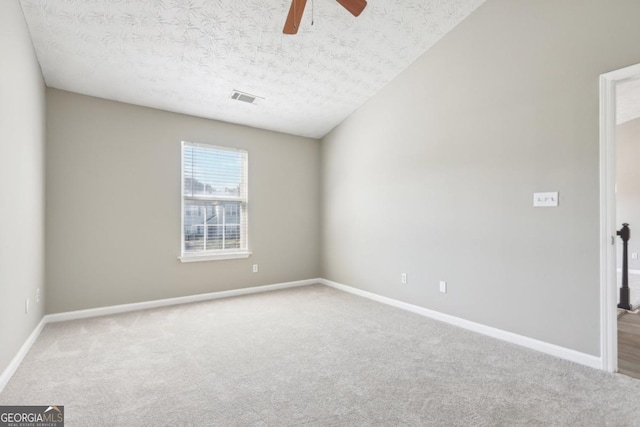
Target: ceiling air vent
{"x": 245, "y": 97}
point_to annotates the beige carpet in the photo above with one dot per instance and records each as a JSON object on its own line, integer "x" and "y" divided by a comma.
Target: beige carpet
{"x": 310, "y": 356}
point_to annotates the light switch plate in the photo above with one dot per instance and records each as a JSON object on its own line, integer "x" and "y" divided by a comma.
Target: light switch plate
{"x": 545, "y": 200}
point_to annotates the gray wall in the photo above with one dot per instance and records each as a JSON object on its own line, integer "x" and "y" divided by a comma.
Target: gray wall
{"x": 113, "y": 211}
{"x": 434, "y": 175}
{"x": 628, "y": 186}
{"x": 21, "y": 182}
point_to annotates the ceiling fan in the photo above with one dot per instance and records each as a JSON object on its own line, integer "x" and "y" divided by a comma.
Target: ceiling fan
{"x": 355, "y": 7}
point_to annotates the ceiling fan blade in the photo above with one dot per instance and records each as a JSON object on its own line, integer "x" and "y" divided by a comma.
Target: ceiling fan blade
{"x": 355, "y": 7}
{"x": 294, "y": 17}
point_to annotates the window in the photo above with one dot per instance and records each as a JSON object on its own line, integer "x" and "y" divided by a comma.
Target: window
{"x": 214, "y": 203}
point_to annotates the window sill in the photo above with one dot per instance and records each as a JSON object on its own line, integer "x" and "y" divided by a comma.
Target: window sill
{"x": 214, "y": 257}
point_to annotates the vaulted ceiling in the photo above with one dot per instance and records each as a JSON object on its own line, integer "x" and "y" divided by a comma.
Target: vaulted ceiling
{"x": 187, "y": 56}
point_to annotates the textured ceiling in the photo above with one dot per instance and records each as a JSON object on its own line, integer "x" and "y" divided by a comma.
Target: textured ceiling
{"x": 187, "y": 56}
{"x": 628, "y": 100}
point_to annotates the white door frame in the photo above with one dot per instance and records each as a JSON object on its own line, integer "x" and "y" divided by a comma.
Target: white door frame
{"x": 608, "y": 226}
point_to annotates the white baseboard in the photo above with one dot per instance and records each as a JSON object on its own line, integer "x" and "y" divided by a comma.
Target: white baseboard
{"x": 15, "y": 362}
{"x": 544, "y": 347}
{"x": 123, "y": 308}
{"x": 632, "y": 272}
{"x": 115, "y": 309}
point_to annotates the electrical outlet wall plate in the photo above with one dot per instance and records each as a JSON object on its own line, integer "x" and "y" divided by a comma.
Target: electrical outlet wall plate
{"x": 443, "y": 286}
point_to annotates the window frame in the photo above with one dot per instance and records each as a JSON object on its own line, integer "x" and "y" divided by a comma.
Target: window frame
{"x": 216, "y": 254}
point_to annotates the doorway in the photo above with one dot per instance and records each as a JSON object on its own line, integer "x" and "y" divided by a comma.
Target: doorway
{"x": 616, "y": 108}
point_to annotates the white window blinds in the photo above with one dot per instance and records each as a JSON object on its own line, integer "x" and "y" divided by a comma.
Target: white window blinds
{"x": 214, "y": 201}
